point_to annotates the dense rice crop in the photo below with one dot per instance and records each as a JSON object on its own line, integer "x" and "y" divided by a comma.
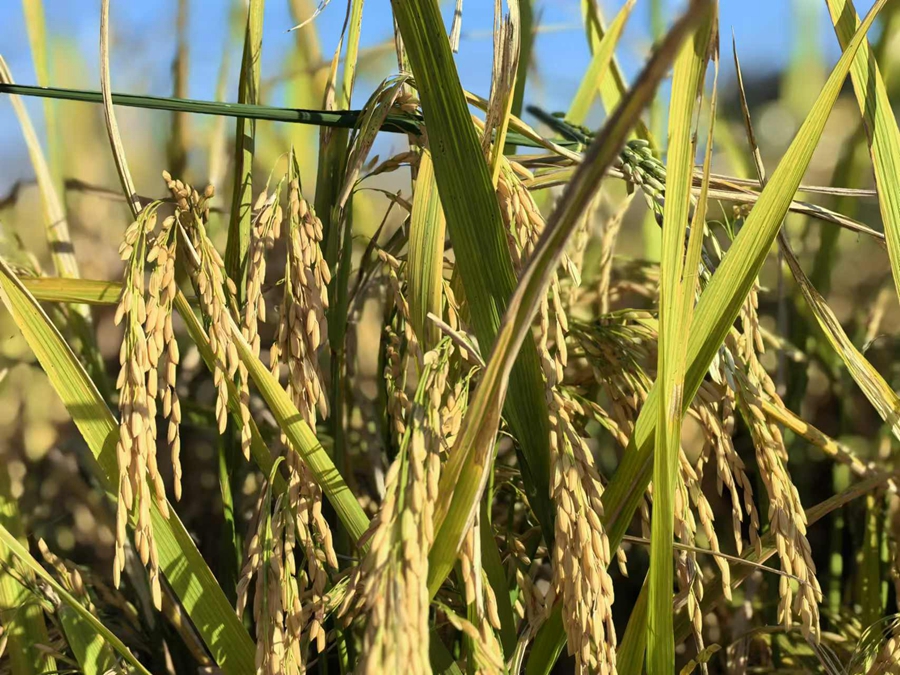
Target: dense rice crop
{"x": 338, "y": 412}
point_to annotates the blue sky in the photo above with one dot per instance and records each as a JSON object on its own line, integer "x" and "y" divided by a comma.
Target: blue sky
{"x": 145, "y": 41}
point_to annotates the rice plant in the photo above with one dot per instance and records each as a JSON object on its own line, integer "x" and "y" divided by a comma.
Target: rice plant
{"x": 325, "y": 410}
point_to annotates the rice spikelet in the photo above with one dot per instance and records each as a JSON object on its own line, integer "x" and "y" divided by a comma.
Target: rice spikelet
{"x": 581, "y": 550}
{"x": 389, "y": 588}
{"x": 162, "y": 347}
{"x": 277, "y": 610}
{"x": 136, "y": 447}
{"x": 215, "y": 291}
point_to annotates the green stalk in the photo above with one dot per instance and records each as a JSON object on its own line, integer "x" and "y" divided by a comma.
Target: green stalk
{"x": 338, "y": 119}
{"x": 678, "y": 285}
{"x": 337, "y": 222}
{"x": 242, "y": 192}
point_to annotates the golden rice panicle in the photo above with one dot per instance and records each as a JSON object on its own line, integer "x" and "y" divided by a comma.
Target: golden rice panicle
{"x": 400, "y": 350}
{"x": 395, "y": 380}
{"x": 580, "y": 556}
{"x": 68, "y": 576}
{"x": 216, "y": 292}
{"x": 787, "y": 519}
{"x": 303, "y": 328}
{"x": 715, "y": 413}
{"x": 580, "y": 549}
{"x": 276, "y": 607}
{"x": 136, "y": 446}
{"x": 302, "y": 331}
{"x": 887, "y": 661}
{"x": 692, "y": 505}
{"x": 389, "y": 589}
{"x": 523, "y": 220}
{"x": 266, "y": 225}
{"x": 162, "y": 347}
{"x": 396, "y": 278}
{"x": 488, "y": 655}
{"x": 309, "y": 527}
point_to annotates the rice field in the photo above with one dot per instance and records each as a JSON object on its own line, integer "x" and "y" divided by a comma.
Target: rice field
{"x": 355, "y": 370}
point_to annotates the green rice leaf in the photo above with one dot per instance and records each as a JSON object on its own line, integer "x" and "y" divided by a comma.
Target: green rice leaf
{"x": 427, "y": 226}
{"x": 55, "y": 220}
{"x": 592, "y": 81}
{"x": 678, "y": 285}
{"x": 245, "y": 132}
{"x": 612, "y": 88}
{"x": 94, "y": 654}
{"x": 880, "y": 394}
{"x": 87, "y": 291}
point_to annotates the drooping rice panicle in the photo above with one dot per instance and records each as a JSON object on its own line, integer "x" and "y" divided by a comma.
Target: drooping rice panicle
{"x": 216, "y": 292}
{"x": 266, "y": 227}
{"x": 580, "y": 554}
{"x": 302, "y": 327}
{"x": 68, "y": 576}
{"x": 136, "y": 447}
{"x": 277, "y": 610}
{"x": 486, "y": 653}
{"x": 787, "y": 519}
{"x": 162, "y": 347}
{"x": 887, "y": 660}
{"x": 302, "y": 330}
{"x": 718, "y": 423}
{"x": 388, "y": 589}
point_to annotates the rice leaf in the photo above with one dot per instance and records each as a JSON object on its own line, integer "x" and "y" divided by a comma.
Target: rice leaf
{"x": 678, "y": 285}
{"x": 179, "y": 559}
{"x": 94, "y": 654}
{"x": 427, "y": 226}
{"x": 36, "y": 26}
{"x": 477, "y": 233}
{"x": 527, "y": 31}
{"x": 880, "y": 394}
{"x": 87, "y": 291}
{"x": 880, "y": 125}
{"x": 61, "y": 250}
{"x": 592, "y": 81}
{"x": 612, "y": 88}
{"x": 465, "y": 474}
